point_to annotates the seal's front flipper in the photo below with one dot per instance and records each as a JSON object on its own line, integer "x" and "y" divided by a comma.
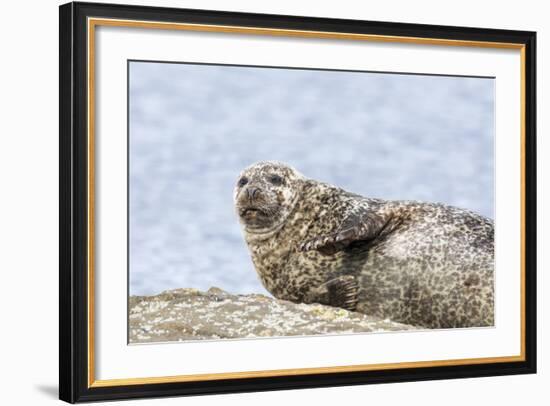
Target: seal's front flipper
{"x": 338, "y": 292}
{"x": 343, "y": 292}
{"x": 332, "y": 243}
{"x": 360, "y": 226}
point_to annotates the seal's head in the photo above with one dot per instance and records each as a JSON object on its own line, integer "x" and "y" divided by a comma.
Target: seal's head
{"x": 265, "y": 194}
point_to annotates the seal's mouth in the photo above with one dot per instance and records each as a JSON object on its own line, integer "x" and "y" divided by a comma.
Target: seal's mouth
{"x": 250, "y": 213}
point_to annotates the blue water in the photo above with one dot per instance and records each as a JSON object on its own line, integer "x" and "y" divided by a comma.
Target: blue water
{"x": 194, "y": 128}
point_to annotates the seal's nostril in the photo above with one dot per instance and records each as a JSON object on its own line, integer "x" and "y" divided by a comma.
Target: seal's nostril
{"x": 252, "y": 192}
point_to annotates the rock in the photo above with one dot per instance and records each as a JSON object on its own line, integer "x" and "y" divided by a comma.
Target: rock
{"x": 189, "y": 314}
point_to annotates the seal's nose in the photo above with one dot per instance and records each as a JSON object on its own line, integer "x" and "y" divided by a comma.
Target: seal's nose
{"x": 252, "y": 192}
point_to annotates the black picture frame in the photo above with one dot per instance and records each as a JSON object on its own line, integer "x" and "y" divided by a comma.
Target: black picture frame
{"x": 74, "y": 200}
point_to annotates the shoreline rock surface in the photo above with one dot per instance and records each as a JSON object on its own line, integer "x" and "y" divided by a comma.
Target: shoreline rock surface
{"x": 189, "y": 314}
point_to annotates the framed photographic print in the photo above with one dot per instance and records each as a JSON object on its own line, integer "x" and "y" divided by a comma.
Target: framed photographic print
{"x": 254, "y": 202}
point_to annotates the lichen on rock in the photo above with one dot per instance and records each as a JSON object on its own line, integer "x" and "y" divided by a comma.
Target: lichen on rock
{"x": 190, "y": 314}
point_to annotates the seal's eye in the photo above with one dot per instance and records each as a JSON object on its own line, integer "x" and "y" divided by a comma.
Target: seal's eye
{"x": 276, "y": 180}
{"x": 243, "y": 181}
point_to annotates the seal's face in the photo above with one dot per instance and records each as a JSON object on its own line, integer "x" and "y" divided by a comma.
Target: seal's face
{"x": 265, "y": 194}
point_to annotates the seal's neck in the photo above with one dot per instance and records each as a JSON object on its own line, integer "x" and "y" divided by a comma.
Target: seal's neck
{"x": 257, "y": 236}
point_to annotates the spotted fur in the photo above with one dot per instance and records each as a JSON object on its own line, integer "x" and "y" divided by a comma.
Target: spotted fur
{"x": 425, "y": 264}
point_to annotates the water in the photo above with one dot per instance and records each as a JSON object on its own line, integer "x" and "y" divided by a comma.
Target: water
{"x": 194, "y": 128}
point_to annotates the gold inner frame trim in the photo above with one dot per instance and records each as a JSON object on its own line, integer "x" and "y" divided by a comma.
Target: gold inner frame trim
{"x": 93, "y": 22}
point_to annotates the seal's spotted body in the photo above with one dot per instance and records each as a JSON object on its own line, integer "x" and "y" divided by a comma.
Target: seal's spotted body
{"x": 417, "y": 263}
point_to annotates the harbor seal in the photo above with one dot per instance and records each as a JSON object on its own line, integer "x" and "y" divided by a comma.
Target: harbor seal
{"x": 425, "y": 264}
